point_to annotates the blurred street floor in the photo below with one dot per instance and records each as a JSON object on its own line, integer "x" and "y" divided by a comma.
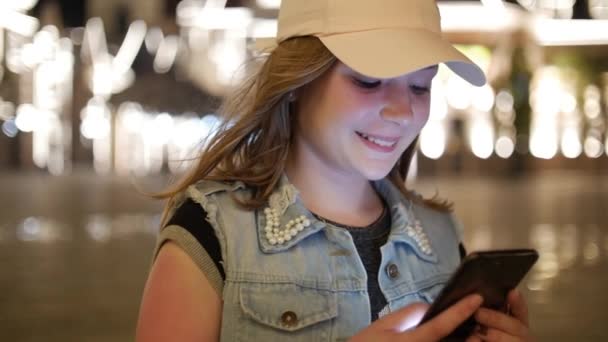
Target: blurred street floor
{"x": 75, "y": 250}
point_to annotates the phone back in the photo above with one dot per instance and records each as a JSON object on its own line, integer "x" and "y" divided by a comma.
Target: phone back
{"x": 492, "y": 274}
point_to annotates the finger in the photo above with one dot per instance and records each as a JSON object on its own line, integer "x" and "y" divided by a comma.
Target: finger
{"x": 404, "y": 318}
{"x": 448, "y": 320}
{"x": 495, "y": 335}
{"x": 518, "y": 306}
{"x": 498, "y": 320}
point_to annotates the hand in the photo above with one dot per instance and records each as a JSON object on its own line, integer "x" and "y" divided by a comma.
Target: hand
{"x": 394, "y": 327}
{"x": 500, "y": 326}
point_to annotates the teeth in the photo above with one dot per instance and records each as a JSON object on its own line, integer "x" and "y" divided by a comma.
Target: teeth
{"x": 378, "y": 141}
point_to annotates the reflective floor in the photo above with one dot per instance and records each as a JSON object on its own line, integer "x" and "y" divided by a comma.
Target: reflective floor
{"x": 74, "y": 251}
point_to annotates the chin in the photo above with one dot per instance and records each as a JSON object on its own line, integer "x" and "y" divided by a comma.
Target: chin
{"x": 374, "y": 174}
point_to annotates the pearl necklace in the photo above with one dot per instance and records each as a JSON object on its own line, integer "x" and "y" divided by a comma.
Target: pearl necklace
{"x": 275, "y": 235}
{"x": 418, "y": 234}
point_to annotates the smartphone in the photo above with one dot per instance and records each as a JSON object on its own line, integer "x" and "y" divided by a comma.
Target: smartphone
{"x": 492, "y": 274}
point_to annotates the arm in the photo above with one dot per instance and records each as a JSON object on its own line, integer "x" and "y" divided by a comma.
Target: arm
{"x": 179, "y": 303}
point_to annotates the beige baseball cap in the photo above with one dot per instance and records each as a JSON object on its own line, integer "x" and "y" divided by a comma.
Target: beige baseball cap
{"x": 377, "y": 38}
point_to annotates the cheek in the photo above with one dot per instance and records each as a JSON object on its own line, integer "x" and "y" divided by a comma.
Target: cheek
{"x": 422, "y": 110}
{"x": 347, "y": 107}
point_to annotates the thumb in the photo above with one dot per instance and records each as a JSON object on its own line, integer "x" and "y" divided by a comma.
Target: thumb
{"x": 404, "y": 318}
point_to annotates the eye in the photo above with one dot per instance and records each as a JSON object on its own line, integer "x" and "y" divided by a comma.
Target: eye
{"x": 366, "y": 84}
{"x": 420, "y": 90}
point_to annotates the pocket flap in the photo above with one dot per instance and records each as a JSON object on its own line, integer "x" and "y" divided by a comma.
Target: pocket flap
{"x": 430, "y": 293}
{"x": 287, "y": 307}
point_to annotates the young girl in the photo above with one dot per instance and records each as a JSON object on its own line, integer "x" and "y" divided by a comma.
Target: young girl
{"x": 296, "y": 223}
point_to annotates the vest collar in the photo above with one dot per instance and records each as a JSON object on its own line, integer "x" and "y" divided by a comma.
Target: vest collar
{"x": 287, "y": 204}
{"x": 405, "y": 227}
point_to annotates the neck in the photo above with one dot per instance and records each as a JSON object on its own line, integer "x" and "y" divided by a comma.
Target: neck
{"x": 339, "y": 196}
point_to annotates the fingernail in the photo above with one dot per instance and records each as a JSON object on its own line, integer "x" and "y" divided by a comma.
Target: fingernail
{"x": 476, "y": 300}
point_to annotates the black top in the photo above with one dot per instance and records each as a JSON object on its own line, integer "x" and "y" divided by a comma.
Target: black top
{"x": 368, "y": 241}
{"x": 192, "y": 217}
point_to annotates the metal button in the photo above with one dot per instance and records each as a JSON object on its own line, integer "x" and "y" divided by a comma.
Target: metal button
{"x": 392, "y": 271}
{"x": 289, "y": 319}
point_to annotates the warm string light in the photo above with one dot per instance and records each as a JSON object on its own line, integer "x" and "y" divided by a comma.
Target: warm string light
{"x": 216, "y": 37}
{"x": 143, "y": 137}
{"x": 598, "y": 9}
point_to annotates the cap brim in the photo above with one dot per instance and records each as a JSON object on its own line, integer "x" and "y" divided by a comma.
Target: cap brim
{"x": 390, "y": 53}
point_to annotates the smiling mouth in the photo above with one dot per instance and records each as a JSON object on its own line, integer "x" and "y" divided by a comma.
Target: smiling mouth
{"x": 379, "y": 141}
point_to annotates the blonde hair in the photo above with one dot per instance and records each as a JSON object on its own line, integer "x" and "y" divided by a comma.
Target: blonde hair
{"x": 253, "y": 142}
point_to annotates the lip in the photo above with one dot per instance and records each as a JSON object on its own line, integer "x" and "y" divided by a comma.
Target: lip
{"x": 382, "y": 137}
{"x": 376, "y": 147}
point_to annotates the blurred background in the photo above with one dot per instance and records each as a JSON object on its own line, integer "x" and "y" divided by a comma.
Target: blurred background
{"x": 100, "y": 97}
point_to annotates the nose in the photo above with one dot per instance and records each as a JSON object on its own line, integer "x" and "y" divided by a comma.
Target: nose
{"x": 397, "y": 105}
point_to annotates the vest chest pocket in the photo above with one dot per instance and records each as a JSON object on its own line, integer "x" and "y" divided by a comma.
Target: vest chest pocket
{"x": 429, "y": 294}
{"x": 278, "y": 311}
{"x": 426, "y": 294}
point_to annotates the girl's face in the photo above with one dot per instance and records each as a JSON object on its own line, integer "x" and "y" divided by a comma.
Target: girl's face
{"x": 360, "y": 126}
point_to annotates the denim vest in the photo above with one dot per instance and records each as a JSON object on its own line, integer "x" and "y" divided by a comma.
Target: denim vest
{"x": 313, "y": 287}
